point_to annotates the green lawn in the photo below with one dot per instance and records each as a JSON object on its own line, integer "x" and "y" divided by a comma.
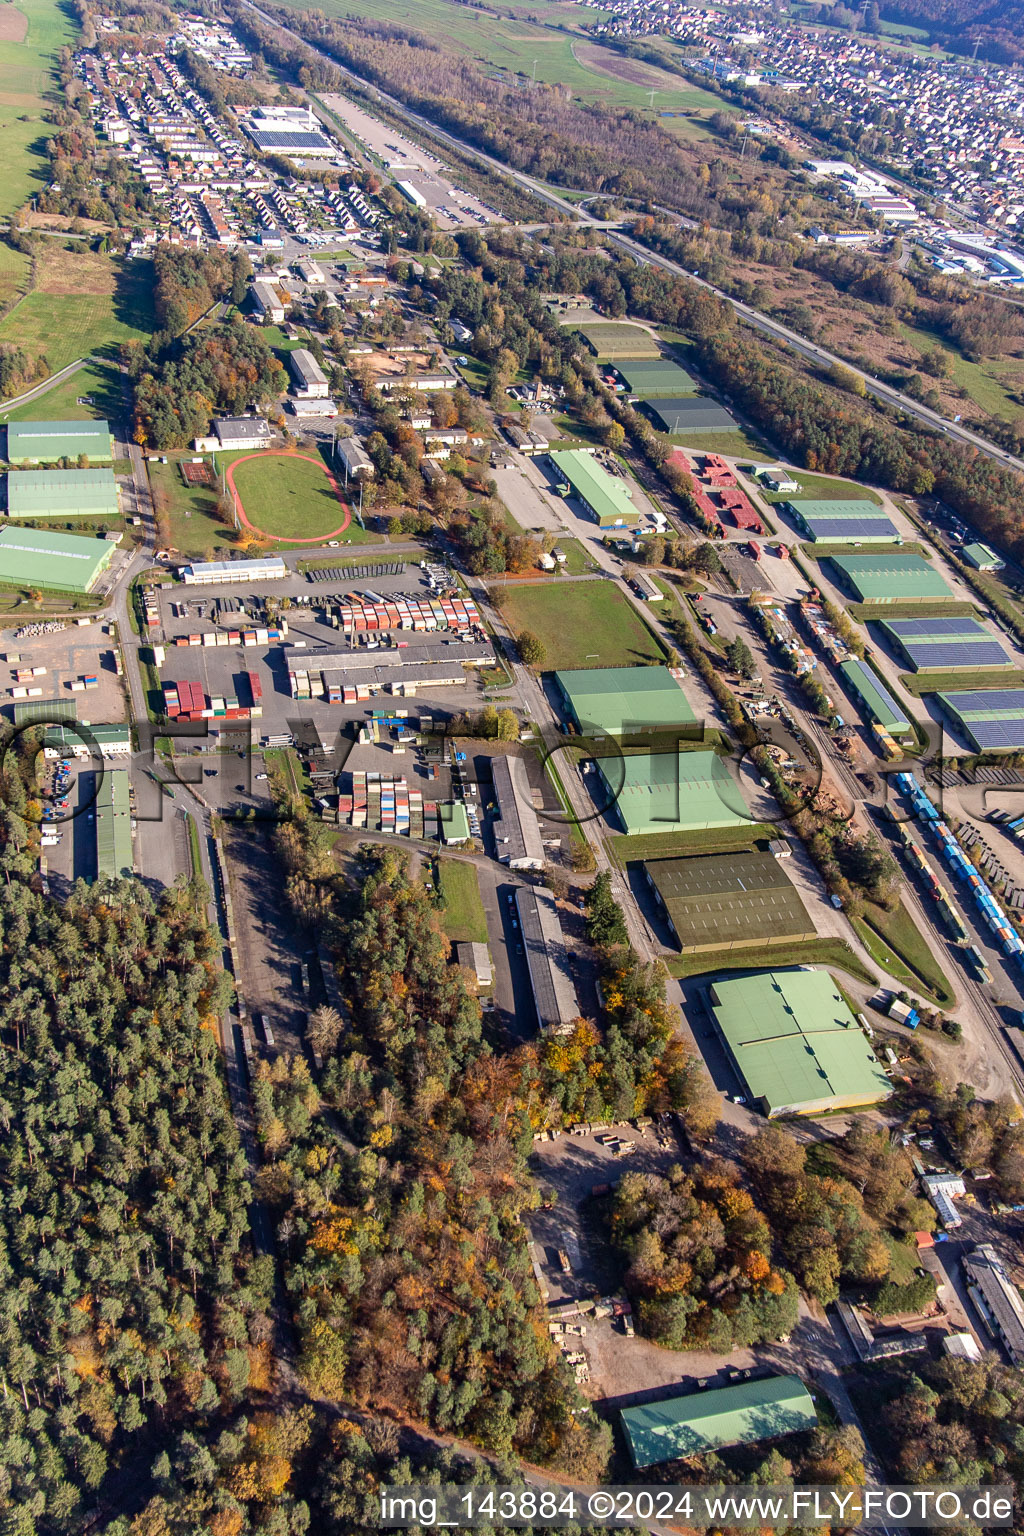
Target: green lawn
{"x": 577, "y": 560}
{"x": 831, "y": 952}
{"x": 463, "y": 917}
{"x": 895, "y": 942}
{"x": 26, "y": 75}
{"x": 82, "y": 303}
{"x": 919, "y": 683}
{"x": 735, "y": 444}
{"x": 824, "y": 488}
{"x": 330, "y": 563}
{"x": 100, "y": 382}
{"x": 580, "y": 624}
{"x": 288, "y": 497}
{"x": 14, "y": 274}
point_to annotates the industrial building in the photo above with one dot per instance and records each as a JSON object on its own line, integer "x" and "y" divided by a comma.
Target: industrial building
{"x": 346, "y": 676}
{"x": 949, "y": 644}
{"x": 841, "y": 522}
{"x": 114, "y": 857}
{"x": 795, "y": 1044}
{"x": 874, "y": 697}
{"x": 69, "y": 741}
{"x": 728, "y": 901}
{"x": 623, "y": 701}
{"x": 981, "y": 557}
{"x": 208, "y": 573}
{"x": 293, "y": 131}
{"x": 55, "y": 493}
{"x": 691, "y": 413}
{"x": 605, "y": 496}
{"x": 547, "y": 960}
{"x": 309, "y": 379}
{"x": 46, "y": 442}
{"x": 516, "y": 829}
{"x": 680, "y": 791}
{"x": 453, "y": 822}
{"x": 744, "y": 1414}
{"x": 54, "y": 562}
{"x": 650, "y": 377}
{"x": 270, "y": 301}
{"x": 997, "y": 1299}
{"x": 992, "y": 719}
{"x": 896, "y": 578}
{"x": 243, "y": 432}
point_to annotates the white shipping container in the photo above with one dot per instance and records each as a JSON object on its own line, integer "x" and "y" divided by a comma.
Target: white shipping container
{"x": 38, "y": 671}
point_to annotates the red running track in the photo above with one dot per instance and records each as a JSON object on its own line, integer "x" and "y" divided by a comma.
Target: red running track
{"x": 276, "y": 538}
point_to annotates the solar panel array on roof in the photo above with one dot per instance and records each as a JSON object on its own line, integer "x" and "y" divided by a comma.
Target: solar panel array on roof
{"x": 991, "y": 718}
{"x": 285, "y": 139}
{"x": 840, "y": 529}
{"x": 912, "y": 629}
{"x": 948, "y": 642}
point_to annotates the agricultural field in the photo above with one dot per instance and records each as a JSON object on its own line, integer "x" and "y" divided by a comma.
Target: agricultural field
{"x": 100, "y": 383}
{"x": 81, "y": 303}
{"x": 30, "y": 36}
{"x": 585, "y": 624}
{"x": 290, "y": 497}
{"x": 14, "y": 275}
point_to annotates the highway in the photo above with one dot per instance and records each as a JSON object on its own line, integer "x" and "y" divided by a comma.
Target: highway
{"x": 774, "y": 329}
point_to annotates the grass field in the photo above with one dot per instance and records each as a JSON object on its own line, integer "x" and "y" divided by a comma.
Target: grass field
{"x": 981, "y": 382}
{"x": 831, "y": 952}
{"x": 824, "y": 488}
{"x": 82, "y": 303}
{"x": 193, "y": 527}
{"x": 100, "y": 382}
{"x": 919, "y": 683}
{"x": 585, "y": 624}
{"x": 14, "y": 274}
{"x": 895, "y": 942}
{"x": 330, "y": 563}
{"x": 288, "y": 497}
{"x": 463, "y": 917}
{"x": 735, "y": 445}
{"x": 26, "y": 75}
{"x": 552, "y": 51}
{"x": 577, "y": 561}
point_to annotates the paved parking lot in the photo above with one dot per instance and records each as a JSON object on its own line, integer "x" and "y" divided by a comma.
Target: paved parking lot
{"x": 68, "y": 655}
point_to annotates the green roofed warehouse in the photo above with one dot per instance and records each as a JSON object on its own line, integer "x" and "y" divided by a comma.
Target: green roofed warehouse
{"x": 624, "y": 701}
{"x": 728, "y": 900}
{"x": 795, "y": 1044}
{"x": 744, "y": 1414}
{"x": 58, "y": 562}
{"x": 114, "y": 857}
{"x": 605, "y": 497}
{"x": 62, "y": 493}
{"x": 843, "y": 522}
{"x": 982, "y": 557}
{"x": 45, "y": 442}
{"x": 651, "y": 792}
{"x": 655, "y": 376}
{"x": 896, "y": 578}
{"x": 874, "y": 697}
